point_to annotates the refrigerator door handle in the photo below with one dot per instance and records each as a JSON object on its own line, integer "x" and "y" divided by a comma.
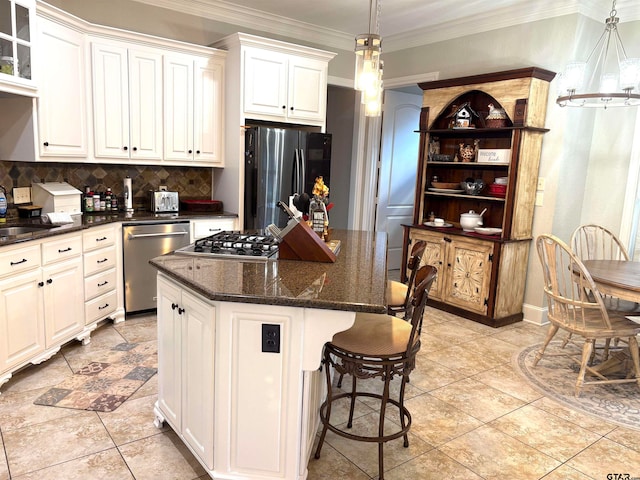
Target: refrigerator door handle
{"x": 303, "y": 172}
{"x": 295, "y": 178}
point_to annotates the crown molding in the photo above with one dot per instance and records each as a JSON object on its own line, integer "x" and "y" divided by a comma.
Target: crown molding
{"x": 525, "y": 12}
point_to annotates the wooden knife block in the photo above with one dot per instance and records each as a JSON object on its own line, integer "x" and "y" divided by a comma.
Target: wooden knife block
{"x": 302, "y": 243}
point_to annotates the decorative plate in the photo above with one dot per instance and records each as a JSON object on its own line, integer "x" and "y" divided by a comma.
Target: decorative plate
{"x": 488, "y": 230}
{"x": 433, "y": 224}
{"x": 445, "y": 190}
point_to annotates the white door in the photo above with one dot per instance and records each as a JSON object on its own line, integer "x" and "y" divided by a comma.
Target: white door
{"x": 398, "y": 166}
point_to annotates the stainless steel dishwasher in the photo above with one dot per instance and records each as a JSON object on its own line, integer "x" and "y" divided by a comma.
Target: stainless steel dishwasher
{"x": 143, "y": 241}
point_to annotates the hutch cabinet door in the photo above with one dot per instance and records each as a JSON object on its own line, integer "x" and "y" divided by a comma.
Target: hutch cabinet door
{"x": 469, "y": 274}
{"x": 434, "y": 255}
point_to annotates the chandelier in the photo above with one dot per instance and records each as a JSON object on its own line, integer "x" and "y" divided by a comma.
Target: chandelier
{"x": 617, "y": 81}
{"x": 368, "y": 75}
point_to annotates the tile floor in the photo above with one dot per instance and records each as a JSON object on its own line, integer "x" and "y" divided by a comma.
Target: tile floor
{"x": 473, "y": 418}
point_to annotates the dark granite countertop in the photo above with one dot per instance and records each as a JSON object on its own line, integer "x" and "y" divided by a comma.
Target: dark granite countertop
{"x": 82, "y": 222}
{"x": 355, "y": 282}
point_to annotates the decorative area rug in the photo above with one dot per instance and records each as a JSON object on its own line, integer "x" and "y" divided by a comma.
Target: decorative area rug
{"x": 105, "y": 384}
{"x": 556, "y": 378}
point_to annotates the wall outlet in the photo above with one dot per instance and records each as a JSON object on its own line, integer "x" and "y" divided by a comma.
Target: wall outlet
{"x": 541, "y": 184}
{"x": 21, "y": 195}
{"x": 270, "y": 338}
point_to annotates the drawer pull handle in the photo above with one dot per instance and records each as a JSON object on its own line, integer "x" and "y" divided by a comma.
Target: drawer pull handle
{"x": 215, "y": 229}
{"x": 101, "y": 239}
{"x": 103, "y": 283}
{"x": 103, "y": 307}
{"x": 62, "y": 250}
{"x": 103, "y": 260}
{"x": 18, "y": 262}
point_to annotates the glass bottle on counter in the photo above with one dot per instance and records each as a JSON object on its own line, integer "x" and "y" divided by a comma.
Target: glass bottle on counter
{"x": 96, "y": 202}
{"x": 318, "y": 216}
{"x": 108, "y": 196}
{"x": 88, "y": 199}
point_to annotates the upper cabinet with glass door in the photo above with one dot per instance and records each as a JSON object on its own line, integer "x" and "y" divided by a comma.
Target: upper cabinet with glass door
{"x": 16, "y": 46}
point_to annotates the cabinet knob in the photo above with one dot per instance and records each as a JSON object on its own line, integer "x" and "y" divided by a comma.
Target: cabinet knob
{"x": 41, "y": 284}
{"x": 174, "y": 306}
{"x": 180, "y": 311}
{"x": 49, "y": 281}
{"x": 46, "y": 144}
{"x": 291, "y": 109}
{"x": 198, "y": 152}
{"x": 125, "y": 148}
{"x": 284, "y": 107}
{"x": 135, "y": 149}
{"x": 190, "y": 151}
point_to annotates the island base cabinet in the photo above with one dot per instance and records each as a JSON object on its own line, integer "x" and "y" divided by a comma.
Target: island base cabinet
{"x": 185, "y": 367}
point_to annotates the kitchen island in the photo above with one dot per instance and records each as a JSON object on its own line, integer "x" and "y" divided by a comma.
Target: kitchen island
{"x": 240, "y": 345}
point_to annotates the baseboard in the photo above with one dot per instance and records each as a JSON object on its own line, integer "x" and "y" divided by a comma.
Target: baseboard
{"x": 535, "y": 314}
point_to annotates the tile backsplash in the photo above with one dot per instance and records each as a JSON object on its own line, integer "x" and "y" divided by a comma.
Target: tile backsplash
{"x": 193, "y": 183}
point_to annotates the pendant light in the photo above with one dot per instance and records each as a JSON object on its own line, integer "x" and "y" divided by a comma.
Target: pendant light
{"x": 612, "y": 83}
{"x": 368, "y": 75}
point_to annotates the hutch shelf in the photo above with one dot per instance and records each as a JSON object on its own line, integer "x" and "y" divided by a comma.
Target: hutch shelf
{"x": 481, "y": 127}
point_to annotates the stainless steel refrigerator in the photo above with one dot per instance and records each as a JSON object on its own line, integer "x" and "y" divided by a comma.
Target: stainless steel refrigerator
{"x": 280, "y": 162}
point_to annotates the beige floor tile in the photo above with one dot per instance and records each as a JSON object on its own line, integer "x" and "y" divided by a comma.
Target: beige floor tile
{"x": 161, "y": 457}
{"x": 45, "y": 444}
{"x": 433, "y": 464}
{"x": 103, "y": 338}
{"x": 131, "y": 421}
{"x": 365, "y": 455}
{"x": 105, "y": 465}
{"x": 332, "y": 465}
{"x": 494, "y": 455}
{"x": 627, "y": 437}
{"x": 477, "y": 399}
{"x": 567, "y": 473}
{"x": 522, "y": 334}
{"x": 4, "y": 468}
{"x": 606, "y": 457}
{"x": 588, "y": 422}
{"x": 497, "y": 349}
{"x": 437, "y": 422}
{"x": 447, "y": 334}
{"x": 150, "y": 387}
{"x": 46, "y": 374}
{"x": 138, "y": 329}
{"x": 507, "y": 380}
{"x": 18, "y": 411}
{"x": 466, "y": 358}
{"x": 546, "y": 432}
{"x": 340, "y": 409}
{"x": 429, "y": 375}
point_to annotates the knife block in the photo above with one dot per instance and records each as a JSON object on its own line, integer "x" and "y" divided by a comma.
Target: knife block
{"x": 302, "y": 243}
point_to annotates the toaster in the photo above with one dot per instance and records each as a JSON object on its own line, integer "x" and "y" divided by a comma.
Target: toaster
{"x": 162, "y": 201}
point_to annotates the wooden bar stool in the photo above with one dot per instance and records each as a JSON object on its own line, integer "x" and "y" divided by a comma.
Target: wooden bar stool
{"x": 377, "y": 346}
{"x": 398, "y": 293}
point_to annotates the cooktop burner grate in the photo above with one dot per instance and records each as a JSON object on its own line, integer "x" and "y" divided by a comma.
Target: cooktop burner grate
{"x": 235, "y": 245}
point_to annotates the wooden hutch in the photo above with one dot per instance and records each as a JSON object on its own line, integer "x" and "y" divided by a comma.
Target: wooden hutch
{"x": 480, "y": 276}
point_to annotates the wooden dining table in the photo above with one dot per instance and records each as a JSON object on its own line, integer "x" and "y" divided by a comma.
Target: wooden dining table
{"x": 618, "y": 278}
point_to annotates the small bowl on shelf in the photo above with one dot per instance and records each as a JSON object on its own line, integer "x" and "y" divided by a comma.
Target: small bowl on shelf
{"x": 501, "y": 180}
{"x": 446, "y": 185}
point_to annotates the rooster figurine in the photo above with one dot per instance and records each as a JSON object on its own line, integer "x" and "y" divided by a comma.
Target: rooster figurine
{"x": 497, "y": 117}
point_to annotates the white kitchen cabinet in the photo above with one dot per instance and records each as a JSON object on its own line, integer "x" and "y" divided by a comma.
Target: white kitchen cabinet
{"x": 40, "y": 289}
{"x": 63, "y": 288}
{"x": 186, "y": 336}
{"x": 127, "y": 101}
{"x": 16, "y": 46}
{"x": 193, "y": 107}
{"x": 103, "y": 289}
{"x": 206, "y": 227}
{"x": 62, "y": 73}
{"x": 286, "y": 87}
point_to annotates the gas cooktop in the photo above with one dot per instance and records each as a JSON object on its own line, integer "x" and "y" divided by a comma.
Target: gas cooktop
{"x": 234, "y": 245}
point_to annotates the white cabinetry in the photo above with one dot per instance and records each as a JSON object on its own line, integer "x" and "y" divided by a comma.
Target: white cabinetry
{"x": 186, "y": 335}
{"x": 41, "y": 293}
{"x": 61, "y": 74}
{"x": 286, "y": 87}
{"x": 16, "y": 45}
{"x": 206, "y": 227}
{"x": 193, "y": 102}
{"x": 127, "y": 101}
{"x": 102, "y": 276}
